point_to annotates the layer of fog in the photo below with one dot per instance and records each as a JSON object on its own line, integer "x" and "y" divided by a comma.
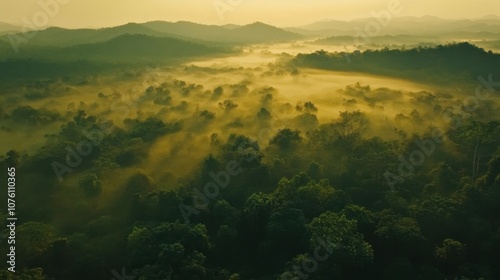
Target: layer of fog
{"x": 243, "y": 94}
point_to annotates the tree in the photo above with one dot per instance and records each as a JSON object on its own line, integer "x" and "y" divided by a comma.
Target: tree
{"x": 91, "y": 184}
{"x": 492, "y": 176}
{"x": 286, "y": 139}
{"x": 140, "y": 246}
{"x": 33, "y": 240}
{"x": 436, "y": 216}
{"x": 241, "y": 149}
{"x": 306, "y": 121}
{"x": 256, "y": 214}
{"x": 444, "y": 181}
{"x": 286, "y": 232}
{"x": 138, "y": 183}
{"x": 364, "y": 217}
{"x": 23, "y": 274}
{"x": 483, "y": 137}
{"x": 451, "y": 253}
{"x": 307, "y": 107}
{"x": 316, "y": 198}
{"x": 314, "y": 170}
{"x": 285, "y": 193}
{"x": 339, "y": 237}
{"x": 223, "y": 213}
{"x": 350, "y": 125}
{"x": 402, "y": 235}
{"x": 12, "y": 159}
{"x": 228, "y": 105}
{"x": 169, "y": 251}
{"x": 217, "y": 92}
{"x": 264, "y": 114}
{"x": 347, "y": 130}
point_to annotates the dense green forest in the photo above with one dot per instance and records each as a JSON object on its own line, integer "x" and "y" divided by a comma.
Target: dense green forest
{"x": 312, "y": 204}
{"x": 182, "y": 151}
{"x": 446, "y": 64}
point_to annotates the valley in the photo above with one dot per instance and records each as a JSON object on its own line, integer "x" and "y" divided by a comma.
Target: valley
{"x": 195, "y": 151}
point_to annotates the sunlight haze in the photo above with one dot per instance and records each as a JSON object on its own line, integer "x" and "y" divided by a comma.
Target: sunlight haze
{"x": 95, "y": 13}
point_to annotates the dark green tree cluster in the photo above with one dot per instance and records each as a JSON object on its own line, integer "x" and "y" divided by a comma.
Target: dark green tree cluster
{"x": 452, "y": 63}
{"x": 315, "y": 205}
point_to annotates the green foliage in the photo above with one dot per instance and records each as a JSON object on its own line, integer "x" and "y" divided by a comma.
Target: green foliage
{"x": 339, "y": 235}
{"x": 33, "y": 240}
{"x": 448, "y": 62}
{"x": 311, "y": 193}
{"x": 151, "y": 128}
{"x": 24, "y": 274}
{"x": 264, "y": 114}
{"x": 139, "y": 182}
{"x": 286, "y": 138}
{"x": 403, "y": 232}
{"x": 228, "y": 105}
{"x": 29, "y": 115}
{"x": 345, "y": 131}
{"x": 452, "y": 252}
{"x": 91, "y": 184}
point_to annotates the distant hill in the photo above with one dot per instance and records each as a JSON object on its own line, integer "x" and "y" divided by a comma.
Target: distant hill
{"x": 231, "y": 26}
{"x": 56, "y": 36}
{"x": 491, "y": 17}
{"x": 120, "y": 53}
{"x": 188, "y": 29}
{"x": 426, "y": 25}
{"x": 128, "y": 48}
{"x": 493, "y": 44}
{"x": 251, "y": 33}
{"x": 326, "y": 25}
{"x": 8, "y": 28}
{"x": 381, "y": 41}
{"x": 262, "y": 32}
{"x": 4, "y": 46}
{"x": 141, "y": 47}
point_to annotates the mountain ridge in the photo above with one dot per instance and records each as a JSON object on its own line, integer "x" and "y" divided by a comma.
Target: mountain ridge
{"x": 257, "y": 32}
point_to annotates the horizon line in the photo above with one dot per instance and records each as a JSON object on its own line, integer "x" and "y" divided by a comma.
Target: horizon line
{"x": 497, "y": 17}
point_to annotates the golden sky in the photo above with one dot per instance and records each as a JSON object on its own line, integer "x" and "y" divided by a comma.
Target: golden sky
{"x": 283, "y": 13}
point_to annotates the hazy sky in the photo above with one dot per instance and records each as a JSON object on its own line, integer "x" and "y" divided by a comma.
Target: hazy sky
{"x": 98, "y": 13}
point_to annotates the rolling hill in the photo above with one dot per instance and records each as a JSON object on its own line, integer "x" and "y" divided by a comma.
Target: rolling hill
{"x": 56, "y": 36}
{"x": 120, "y": 53}
{"x": 188, "y": 31}
{"x": 139, "y": 47}
{"x": 252, "y": 33}
{"x": 426, "y": 25}
{"x": 8, "y": 28}
{"x": 128, "y": 48}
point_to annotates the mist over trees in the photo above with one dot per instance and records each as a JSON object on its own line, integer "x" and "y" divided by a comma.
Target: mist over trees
{"x": 165, "y": 157}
